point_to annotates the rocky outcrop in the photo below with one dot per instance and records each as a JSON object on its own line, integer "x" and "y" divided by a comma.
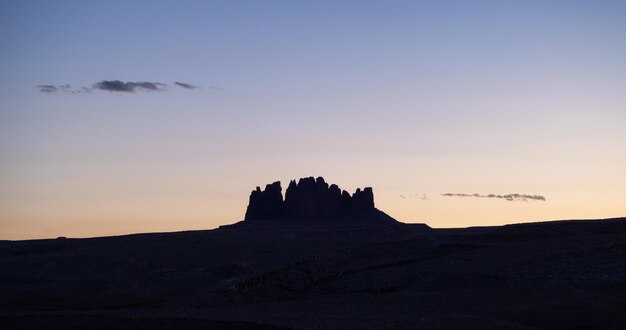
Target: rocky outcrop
{"x": 266, "y": 204}
{"x": 308, "y": 198}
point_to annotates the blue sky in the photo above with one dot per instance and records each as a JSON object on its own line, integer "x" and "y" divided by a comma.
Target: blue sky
{"x": 410, "y": 97}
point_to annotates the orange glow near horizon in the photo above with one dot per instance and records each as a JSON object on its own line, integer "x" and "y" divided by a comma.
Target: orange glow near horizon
{"x": 170, "y": 128}
{"x": 165, "y": 206}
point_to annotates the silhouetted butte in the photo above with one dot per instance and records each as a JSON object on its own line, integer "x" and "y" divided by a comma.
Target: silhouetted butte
{"x": 311, "y": 198}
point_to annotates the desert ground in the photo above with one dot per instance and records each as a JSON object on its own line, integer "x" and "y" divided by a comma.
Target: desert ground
{"x": 317, "y": 275}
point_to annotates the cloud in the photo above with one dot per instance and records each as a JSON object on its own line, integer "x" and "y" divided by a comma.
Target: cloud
{"x": 47, "y": 88}
{"x": 185, "y": 85}
{"x": 116, "y": 86}
{"x": 421, "y": 196}
{"x": 66, "y": 88}
{"x": 128, "y": 87}
{"x": 508, "y": 197}
{"x": 190, "y": 86}
{"x": 84, "y": 90}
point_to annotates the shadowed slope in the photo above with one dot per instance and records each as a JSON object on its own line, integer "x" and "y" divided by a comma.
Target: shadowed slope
{"x": 542, "y": 275}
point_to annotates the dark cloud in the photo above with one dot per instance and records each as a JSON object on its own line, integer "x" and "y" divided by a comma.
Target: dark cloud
{"x": 47, "y": 88}
{"x": 128, "y": 87}
{"x": 116, "y": 86}
{"x": 508, "y": 197}
{"x": 185, "y": 85}
{"x": 66, "y": 88}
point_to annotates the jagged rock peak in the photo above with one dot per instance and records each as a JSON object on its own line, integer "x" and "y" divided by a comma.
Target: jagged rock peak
{"x": 266, "y": 204}
{"x": 308, "y": 198}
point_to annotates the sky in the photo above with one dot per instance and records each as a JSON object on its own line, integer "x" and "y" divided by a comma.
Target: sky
{"x": 121, "y": 117}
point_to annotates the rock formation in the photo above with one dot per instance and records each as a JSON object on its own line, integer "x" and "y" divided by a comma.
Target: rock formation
{"x": 308, "y": 198}
{"x": 266, "y": 204}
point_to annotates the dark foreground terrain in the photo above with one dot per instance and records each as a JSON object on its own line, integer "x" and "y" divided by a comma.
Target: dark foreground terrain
{"x": 551, "y": 275}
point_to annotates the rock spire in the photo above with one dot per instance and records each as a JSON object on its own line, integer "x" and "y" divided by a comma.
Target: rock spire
{"x": 308, "y": 198}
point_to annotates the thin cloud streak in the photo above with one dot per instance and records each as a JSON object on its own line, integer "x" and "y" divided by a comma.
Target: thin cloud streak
{"x": 129, "y": 86}
{"x": 66, "y": 88}
{"x": 47, "y": 88}
{"x": 185, "y": 85}
{"x": 421, "y": 196}
{"x": 508, "y": 197}
{"x": 116, "y": 86}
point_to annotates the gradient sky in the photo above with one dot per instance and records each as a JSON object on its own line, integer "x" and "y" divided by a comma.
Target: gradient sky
{"x": 413, "y": 98}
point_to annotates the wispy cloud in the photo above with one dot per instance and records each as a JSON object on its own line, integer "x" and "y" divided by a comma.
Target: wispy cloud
{"x": 117, "y": 86}
{"x": 66, "y": 88}
{"x": 129, "y": 86}
{"x": 422, "y": 196}
{"x": 508, "y": 197}
{"x": 185, "y": 85}
{"x": 47, "y": 88}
